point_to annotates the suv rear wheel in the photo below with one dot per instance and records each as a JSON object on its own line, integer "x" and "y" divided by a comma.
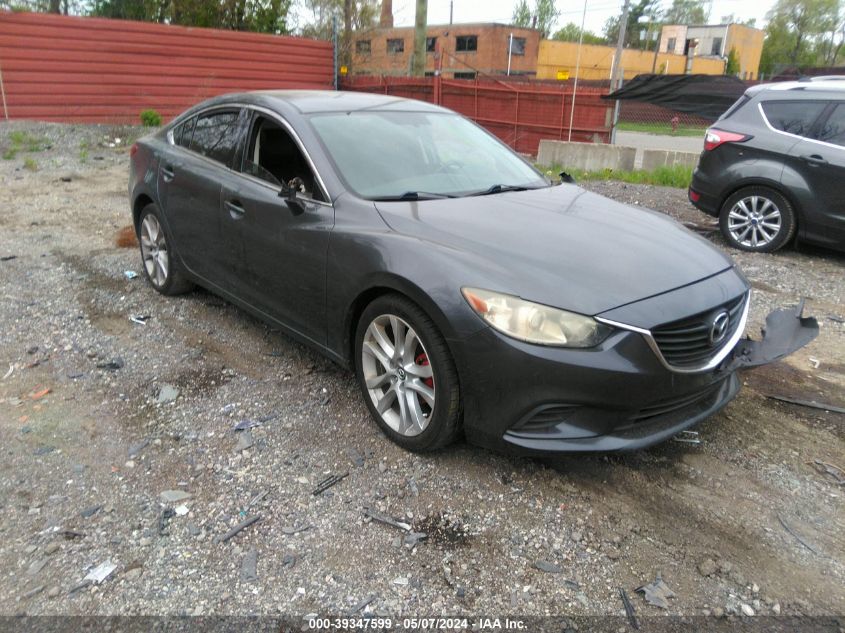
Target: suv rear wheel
{"x": 757, "y": 219}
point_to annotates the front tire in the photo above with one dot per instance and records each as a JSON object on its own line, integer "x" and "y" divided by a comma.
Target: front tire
{"x": 407, "y": 375}
{"x": 757, "y": 219}
{"x": 157, "y": 256}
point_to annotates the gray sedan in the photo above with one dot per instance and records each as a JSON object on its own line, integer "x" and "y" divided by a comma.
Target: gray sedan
{"x": 469, "y": 293}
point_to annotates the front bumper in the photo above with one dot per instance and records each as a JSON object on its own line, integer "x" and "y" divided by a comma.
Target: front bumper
{"x": 618, "y": 396}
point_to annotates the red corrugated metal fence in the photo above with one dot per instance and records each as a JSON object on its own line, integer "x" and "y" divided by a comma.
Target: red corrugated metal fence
{"x": 61, "y": 68}
{"x": 518, "y": 112}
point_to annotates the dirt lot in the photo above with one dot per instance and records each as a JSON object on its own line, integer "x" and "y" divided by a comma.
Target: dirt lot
{"x": 742, "y": 523}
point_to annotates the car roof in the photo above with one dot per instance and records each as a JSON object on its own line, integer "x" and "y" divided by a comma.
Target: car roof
{"x": 312, "y": 101}
{"x": 813, "y": 85}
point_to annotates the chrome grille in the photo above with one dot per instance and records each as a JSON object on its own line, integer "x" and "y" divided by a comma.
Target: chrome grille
{"x": 686, "y": 343}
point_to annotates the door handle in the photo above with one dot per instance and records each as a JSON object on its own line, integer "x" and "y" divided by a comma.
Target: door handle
{"x": 814, "y": 159}
{"x": 167, "y": 173}
{"x": 235, "y": 209}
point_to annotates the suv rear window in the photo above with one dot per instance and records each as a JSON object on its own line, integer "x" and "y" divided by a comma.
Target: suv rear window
{"x": 833, "y": 130}
{"x": 793, "y": 117}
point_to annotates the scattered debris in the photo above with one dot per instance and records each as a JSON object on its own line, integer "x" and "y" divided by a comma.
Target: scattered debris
{"x": 238, "y": 528}
{"x": 381, "y": 518}
{"x": 245, "y": 441}
{"x": 687, "y": 437}
{"x": 87, "y": 513}
{"x": 361, "y": 605}
{"x": 629, "y": 608}
{"x": 8, "y": 258}
{"x": 33, "y": 592}
{"x": 815, "y": 362}
{"x": 795, "y": 535}
{"x": 245, "y": 425}
{"x": 829, "y": 469}
{"x": 174, "y": 496}
{"x": 193, "y": 530}
{"x": 703, "y": 229}
{"x": 249, "y": 567}
{"x": 167, "y": 393}
{"x": 707, "y": 567}
{"x": 657, "y": 593}
{"x": 402, "y": 581}
{"x": 43, "y": 450}
{"x": 70, "y": 535}
{"x": 36, "y": 566}
{"x": 181, "y": 510}
{"x": 256, "y": 499}
{"x": 746, "y": 610}
{"x": 10, "y": 372}
{"x": 288, "y": 560}
{"x": 37, "y": 395}
{"x": 289, "y": 529}
{"x": 78, "y": 587}
{"x": 164, "y": 520}
{"x": 836, "y": 319}
{"x": 130, "y": 274}
{"x": 812, "y": 404}
{"x": 101, "y": 572}
{"x": 411, "y": 540}
{"x": 112, "y": 365}
{"x": 549, "y": 568}
{"x": 328, "y": 482}
{"x": 135, "y": 449}
{"x": 140, "y": 319}
{"x": 356, "y": 457}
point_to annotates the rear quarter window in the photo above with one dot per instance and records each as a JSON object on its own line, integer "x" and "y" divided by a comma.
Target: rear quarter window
{"x": 183, "y": 132}
{"x": 793, "y": 117}
{"x": 735, "y": 107}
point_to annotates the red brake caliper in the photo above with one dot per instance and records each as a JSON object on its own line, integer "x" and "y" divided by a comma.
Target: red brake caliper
{"x": 422, "y": 360}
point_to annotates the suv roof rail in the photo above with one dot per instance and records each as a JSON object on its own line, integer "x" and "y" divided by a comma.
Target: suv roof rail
{"x": 823, "y": 78}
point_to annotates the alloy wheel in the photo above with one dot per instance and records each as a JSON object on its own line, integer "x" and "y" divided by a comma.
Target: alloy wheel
{"x": 754, "y": 221}
{"x": 154, "y": 250}
{"x": 398, "y": 376}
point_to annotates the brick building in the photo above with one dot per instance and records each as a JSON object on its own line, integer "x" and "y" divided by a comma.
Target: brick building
{"x": 467, "y": 49}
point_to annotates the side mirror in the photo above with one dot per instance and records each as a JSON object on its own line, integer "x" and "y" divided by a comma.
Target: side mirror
{"x": 290, "y": 192}
{"x": 564, "y": 177}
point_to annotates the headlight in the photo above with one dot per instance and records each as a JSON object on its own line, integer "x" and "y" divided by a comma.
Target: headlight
{"x": 535, "y": 323}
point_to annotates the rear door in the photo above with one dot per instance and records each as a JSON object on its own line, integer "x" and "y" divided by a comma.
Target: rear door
{"x": 190, "y": 175}
{"x": 284, "y": 248}
{"x": 822, "y": 161}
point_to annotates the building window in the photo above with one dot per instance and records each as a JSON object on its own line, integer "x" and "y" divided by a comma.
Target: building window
{"x": 518, "y": 46}
{"x": 670, "y": 44}
{"x": 362, "y": 47}
{"x": 465, "y": 75}
{"x": 466, "y": 43}
{"x": 430, "y": 43}
{"x": 395, "y": 46}
{"x": 716, "y": 48}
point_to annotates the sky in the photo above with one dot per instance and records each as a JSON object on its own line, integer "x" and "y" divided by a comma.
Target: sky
{"x": 597, "y": 11}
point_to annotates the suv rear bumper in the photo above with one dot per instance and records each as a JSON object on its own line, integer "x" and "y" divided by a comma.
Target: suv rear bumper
{"x": 702, "y": 194}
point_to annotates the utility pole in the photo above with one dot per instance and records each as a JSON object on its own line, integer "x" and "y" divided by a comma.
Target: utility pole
{"x": 418, "y": 60}
{"x": 616, "y": 75}
{"x": 451, "y": 8}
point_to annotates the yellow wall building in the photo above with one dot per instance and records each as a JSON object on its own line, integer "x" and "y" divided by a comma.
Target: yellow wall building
{"x": 715, "y": 41}
{"x": 556, "y": 60}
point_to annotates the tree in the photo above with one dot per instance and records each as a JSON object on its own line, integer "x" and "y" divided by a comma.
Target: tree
{"x": 542, "y": 17}
{"x": 521, "y": 14}
{"x": 644, "y": 8}
{"x": 571, "y": 32}
{"x": 264, "y": 16}
{"x": 802, "y": 33}
{"x": 732, "y": 66}
{"x": 686, "y": 12}
{"x": 364, "y": 16}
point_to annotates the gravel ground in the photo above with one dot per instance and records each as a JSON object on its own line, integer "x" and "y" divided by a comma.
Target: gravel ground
{"x": 100, "y": 415}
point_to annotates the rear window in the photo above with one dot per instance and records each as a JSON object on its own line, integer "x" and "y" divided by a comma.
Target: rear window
{"x": 735, "y": 107}
{"x": 793, "y": 117}
{"x": 833, "y": 130}
{"x": 216, "y": 136}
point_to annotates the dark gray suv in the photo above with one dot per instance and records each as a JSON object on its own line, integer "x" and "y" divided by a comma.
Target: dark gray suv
{"x": 773, "y": 166}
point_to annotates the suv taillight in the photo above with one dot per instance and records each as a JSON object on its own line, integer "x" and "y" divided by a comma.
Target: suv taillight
{"x": 133, "y": 150}
{"x": 713, "y": 138}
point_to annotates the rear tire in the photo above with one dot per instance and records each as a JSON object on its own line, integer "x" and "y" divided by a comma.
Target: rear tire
{"x": 157, "y": 256}
{"x": 407, "y": 375}
{"x": 757, "y": 219}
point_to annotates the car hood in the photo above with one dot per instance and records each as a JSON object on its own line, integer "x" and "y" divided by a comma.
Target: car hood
{"x": 561, "y": 246}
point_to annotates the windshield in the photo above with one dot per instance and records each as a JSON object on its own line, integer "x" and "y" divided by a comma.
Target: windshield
{"x": 432, "y": 154}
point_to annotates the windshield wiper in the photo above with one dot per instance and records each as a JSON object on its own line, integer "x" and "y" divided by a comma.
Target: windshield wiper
{"x": 415, "y": 195}
{"x": 498, "y": 188}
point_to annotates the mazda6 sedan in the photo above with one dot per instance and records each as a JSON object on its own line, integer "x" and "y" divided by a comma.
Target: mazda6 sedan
{"x": 471, "y": 295}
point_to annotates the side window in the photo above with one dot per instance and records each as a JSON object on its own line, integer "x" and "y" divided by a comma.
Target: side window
{"x": 794, "y": 117}
{"x": 466, "y": 43}
{"x": 216, "y": 135}
{"x": 273, "y": 156}
{"x": 833, "y": 130}
{"x": 183, "y": 132}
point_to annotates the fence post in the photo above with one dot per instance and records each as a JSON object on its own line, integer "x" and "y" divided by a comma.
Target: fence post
{"x": 334, "y": 50}
{"x": 437, "y": 85}
{"x": 3, "y": 91}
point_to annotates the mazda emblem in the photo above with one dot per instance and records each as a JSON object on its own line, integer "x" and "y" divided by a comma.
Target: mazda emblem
{"x": 719, "y": 329}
